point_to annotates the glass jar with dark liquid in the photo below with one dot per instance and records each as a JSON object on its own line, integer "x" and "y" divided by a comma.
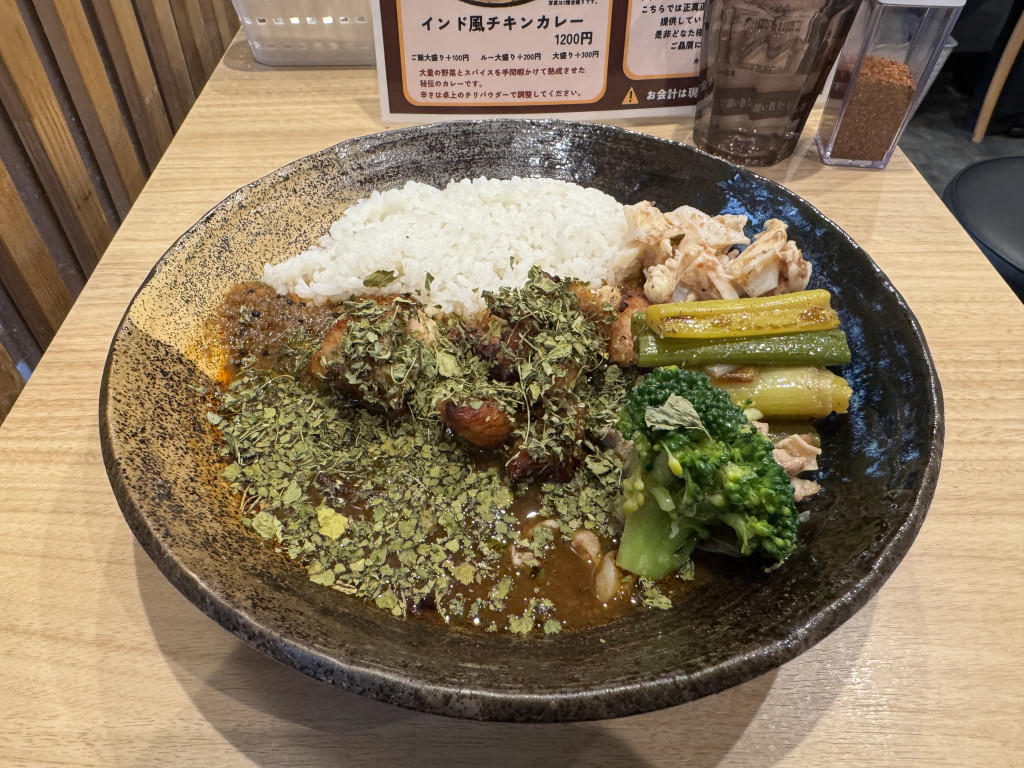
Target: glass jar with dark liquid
{"x": 763, "y": 64}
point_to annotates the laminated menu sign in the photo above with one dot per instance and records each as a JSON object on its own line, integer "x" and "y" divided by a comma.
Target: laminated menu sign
{"x": 441, "y": 59}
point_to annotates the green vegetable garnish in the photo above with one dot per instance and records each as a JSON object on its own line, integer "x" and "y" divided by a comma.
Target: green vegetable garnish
{"x": 691, "y": 484}
{"x": 380, "y": 278}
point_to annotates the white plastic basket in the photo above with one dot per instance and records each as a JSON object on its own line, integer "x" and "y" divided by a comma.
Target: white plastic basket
{"x": 308, "y": 32}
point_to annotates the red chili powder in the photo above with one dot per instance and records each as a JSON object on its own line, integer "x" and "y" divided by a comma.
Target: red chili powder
{"x": 881, "y": 97}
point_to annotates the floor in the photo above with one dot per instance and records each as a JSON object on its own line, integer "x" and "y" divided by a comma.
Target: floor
{"x": 938, "y": 138}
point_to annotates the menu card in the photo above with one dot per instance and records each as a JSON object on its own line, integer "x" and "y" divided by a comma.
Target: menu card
{"x": 440, "y": 59}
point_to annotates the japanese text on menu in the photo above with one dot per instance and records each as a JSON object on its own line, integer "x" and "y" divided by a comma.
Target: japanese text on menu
{"x": 537, "y": 52}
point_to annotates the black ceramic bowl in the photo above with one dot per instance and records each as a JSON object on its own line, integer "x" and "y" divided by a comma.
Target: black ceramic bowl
{"x": 878, "y": 470}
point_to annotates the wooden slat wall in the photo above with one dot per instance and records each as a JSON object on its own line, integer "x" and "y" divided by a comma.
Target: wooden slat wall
{"x": 91, "y": 92}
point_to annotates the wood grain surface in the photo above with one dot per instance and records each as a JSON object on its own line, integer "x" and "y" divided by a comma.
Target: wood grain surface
{"x": 103, "y": 663}
{"x": 35, "y": 112}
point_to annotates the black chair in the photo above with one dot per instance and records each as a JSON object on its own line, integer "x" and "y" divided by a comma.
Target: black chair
{"x": 987, "y": 199}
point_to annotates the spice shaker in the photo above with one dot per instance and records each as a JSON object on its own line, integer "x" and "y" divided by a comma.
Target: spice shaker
{"x": 881, "y": 75}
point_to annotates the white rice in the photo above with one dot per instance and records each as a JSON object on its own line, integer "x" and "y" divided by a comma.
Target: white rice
{"x": 473, "y": 236}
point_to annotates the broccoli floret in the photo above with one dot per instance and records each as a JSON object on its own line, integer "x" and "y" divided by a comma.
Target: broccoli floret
{"x": 701, "y": 471}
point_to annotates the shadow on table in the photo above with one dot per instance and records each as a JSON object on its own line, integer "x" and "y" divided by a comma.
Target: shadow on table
{"x": 274, "y": 715}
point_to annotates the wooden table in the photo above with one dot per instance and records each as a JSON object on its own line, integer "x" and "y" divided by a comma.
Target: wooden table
{"x": 103, "y": 663}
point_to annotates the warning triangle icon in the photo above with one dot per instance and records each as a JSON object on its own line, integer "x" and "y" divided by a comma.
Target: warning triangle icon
{"x": 631, "y": 98}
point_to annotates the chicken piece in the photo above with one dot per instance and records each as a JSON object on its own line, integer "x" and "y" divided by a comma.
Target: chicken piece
{"x": 480, "y": 422}
{"x": 322, "y": 367}
{"x": 557, "y": 463}
{"x": 362, "y": 366}
{"x": 649, "y": 226}
{"x": 795, "y": 454}
{"x": 596, "y": 302}
{"x": 711, "y": 234}
{"x": 705, "y": 277}
{"x": 686, "y": 251}
{"x": 794, "y": 272}
{"x": 555, "y": 448}
{"x": 498, "y": 341}
{"x": 331, "y": 342}
{"x": 756, "y": 269}
{"x": 480, "y": 338}
{"x": 505, "y": 350}
{"x": 600, "y": 303}
{"x": 771, "y": 264}
{"x": 423, "y": 327}
{"x": 803, "y": 488}
{"x": 620, "y": 332}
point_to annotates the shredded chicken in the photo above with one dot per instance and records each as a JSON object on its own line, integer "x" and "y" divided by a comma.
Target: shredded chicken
{"x": 689, "y": 255}
{"x": 756, "y": 269}
{"x": 802, "y": 488}
{"x": 795, "y": 454}
{"x": 795, "y": 271}
{"x": 704, "y": 277}
{"x": 762, "y": 426}
{"x": 715, "y": 234}
{"x": 651, "y": 227}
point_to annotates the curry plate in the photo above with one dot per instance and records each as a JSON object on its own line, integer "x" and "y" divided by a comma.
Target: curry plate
{"x": 878, "y": 470}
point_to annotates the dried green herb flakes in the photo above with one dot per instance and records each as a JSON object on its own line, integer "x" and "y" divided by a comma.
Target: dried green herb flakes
{"x": 303, "y": 462}
{"x": 392, "y": 509}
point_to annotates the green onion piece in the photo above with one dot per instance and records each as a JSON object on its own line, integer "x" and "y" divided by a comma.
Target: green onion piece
{"x": 729, "y": 318}
{"x": 804, "y": 348}
{"x": 802, "y": 392}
